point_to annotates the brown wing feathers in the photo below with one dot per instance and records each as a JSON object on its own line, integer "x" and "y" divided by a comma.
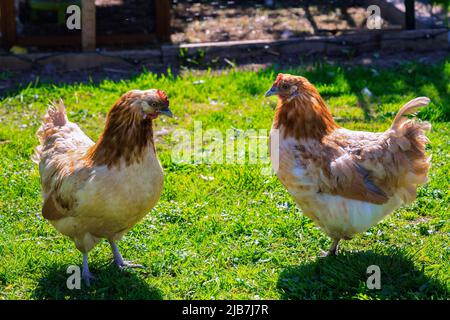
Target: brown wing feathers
{"x": 389, "y": 161}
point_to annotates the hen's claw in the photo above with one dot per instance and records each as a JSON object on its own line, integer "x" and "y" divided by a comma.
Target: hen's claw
{"x": 87, "y": 277}
{"x": 323, "y": 253}
{"x": 127, "y": 264}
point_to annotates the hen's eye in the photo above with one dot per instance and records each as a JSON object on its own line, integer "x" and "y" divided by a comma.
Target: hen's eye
{"x": 285, "y": 86}
{"x": 153, "y": 104}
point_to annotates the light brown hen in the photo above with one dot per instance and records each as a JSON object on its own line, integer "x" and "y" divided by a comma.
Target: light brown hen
{"x": 101, "y": 190}
{"x": 345, "y": 181}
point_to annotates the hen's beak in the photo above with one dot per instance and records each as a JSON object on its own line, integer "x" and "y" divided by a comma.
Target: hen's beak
{"x": 272, "y": 91}
{"x": 166, "y": 111}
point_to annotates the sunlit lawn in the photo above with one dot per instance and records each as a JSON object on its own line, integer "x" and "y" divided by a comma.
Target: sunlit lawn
{"x": 227, "y": 231}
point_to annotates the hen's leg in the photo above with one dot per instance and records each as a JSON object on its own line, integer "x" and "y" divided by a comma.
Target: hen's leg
{"x": 118, "y": 260}
{"x": 86, "y": 274}
{"x": 334, "y": 248}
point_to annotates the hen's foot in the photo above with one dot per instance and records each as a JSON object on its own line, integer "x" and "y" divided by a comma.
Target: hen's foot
{"x": 123, "y": 264}
{"x": 87, "y": 277}
{"x": 119, "y": 261}
{"x": 324, "y": 254}
{"x": 333, "y": 251}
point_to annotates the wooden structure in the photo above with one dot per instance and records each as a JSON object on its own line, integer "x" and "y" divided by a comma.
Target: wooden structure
{"x": 88, "y": 38}
{"x": 88, "y": 34}
{"x": 410, "y": 16}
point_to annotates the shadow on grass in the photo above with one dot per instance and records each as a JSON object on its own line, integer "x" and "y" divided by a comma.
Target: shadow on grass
{"x": 373, "y": 85}
{"x": 110, "y": 284}
{"x": 344, "y": 277}
{"x": 387, "y": 85}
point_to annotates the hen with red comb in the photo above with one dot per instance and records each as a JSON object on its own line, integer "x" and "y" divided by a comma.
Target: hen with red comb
{"x": 100, "y": 190}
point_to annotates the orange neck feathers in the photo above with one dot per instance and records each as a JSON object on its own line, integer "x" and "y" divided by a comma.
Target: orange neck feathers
{"x": 304, "y": 116}
{"x": 127, "y": 136}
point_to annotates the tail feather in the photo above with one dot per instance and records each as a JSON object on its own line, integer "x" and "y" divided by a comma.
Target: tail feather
{"x": 409, "y": 108}
{"x": 408, "y": 140}
{"x": 55, "y": 117}
{"x": 57, "y": 113}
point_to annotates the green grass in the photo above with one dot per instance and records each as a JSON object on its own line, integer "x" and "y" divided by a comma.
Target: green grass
{"x": 238, "y": 236}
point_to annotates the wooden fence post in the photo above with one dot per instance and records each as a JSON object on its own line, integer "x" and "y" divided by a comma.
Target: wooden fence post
{"x": 410, "y": 16}
{"x": 8, "y": 22}
{"x": 162, "y": 23}
{"x": 88, "y": 25}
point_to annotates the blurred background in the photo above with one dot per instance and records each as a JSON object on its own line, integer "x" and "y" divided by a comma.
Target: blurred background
{"x": 34, "y": 34}
{"x": 42, "y": 23}
{"x": 223, "y": 231}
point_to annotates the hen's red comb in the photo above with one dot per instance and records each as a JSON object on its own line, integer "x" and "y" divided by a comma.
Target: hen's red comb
{"x": 162, "y": 95}
{"x": 279, "y": 77}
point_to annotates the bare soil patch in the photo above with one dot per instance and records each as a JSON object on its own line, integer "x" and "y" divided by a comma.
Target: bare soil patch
{"x": 205, "y": 21}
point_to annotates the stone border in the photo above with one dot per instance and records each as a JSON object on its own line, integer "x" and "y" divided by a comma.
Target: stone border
{"x": 347, "y": 45}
